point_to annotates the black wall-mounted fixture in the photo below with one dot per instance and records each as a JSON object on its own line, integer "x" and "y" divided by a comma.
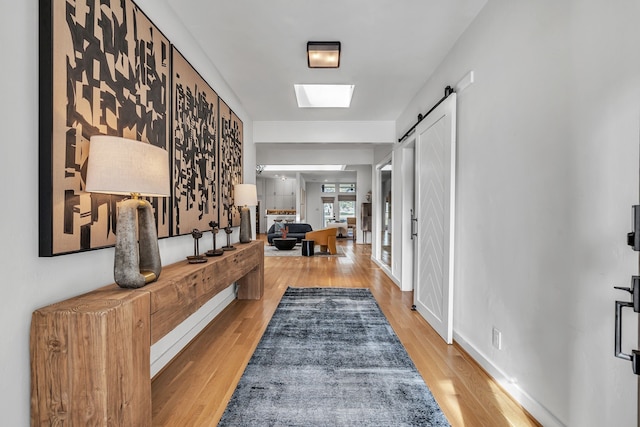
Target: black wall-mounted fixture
{"x": 447, "y": 91}
{"x": 633, "y": 238}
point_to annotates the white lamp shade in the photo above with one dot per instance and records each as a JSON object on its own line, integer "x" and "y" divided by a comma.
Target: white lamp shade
{"x": 245, "y": 195}
{"x": 124, "y": 166}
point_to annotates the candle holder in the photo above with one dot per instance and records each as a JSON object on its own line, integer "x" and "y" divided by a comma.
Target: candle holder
{"x": 196, "y": 258}
{"x": 214, "y": 231}
{"x": 229, "y": 247}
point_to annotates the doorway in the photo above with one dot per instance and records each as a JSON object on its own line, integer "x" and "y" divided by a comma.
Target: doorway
{"x": 327, "y": 211}
{"x": 385, "y": 214}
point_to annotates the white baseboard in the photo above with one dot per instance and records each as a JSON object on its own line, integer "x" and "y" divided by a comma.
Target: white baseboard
{"x": 386, "y": 270}
{"x": 171, "y": 344}
{"x": 535, "y": 408}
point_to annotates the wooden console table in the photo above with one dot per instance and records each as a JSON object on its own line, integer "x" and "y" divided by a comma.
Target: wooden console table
{"x": 90, "y": 355}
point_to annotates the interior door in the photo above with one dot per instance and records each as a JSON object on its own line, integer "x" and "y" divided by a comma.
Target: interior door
{"x": 435, "y": 212}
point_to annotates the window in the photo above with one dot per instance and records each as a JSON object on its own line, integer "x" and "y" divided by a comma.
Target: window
{"x": 327, "y": 210}
{"x": 346, "y": 206}
{"x": 328, "y": 188}
{"x": 347, "y": 188}
{"x": 347, "y": 209}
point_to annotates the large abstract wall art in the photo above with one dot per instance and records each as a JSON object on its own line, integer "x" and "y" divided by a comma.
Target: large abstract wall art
{"x": 104, "y": 69}
{"x": 230, "y": 164}
{"x": 195, "y": 148}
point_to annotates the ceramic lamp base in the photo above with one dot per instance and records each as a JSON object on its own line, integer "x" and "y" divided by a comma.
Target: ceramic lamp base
{"x": 245, "y": 225}
{"x": 137, "y": 258}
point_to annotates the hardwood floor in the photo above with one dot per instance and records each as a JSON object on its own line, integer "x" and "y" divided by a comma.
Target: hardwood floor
{"x": 194, "y": 388}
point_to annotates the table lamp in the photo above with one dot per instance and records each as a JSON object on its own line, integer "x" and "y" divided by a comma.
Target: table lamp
{"x": 245, "y": 195}
{"x": 123, "y": 166}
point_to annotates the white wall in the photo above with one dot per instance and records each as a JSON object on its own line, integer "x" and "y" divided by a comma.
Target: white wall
{"x": 30, "y": 282}
{"x": 314, "y": 154}
{"x": 547, "y": 171}
{"x": 314, "y": 205}
{"x": 324, "y": 132}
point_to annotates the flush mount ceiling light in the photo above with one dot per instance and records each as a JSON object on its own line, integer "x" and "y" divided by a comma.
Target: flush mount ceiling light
{"x": 323, "y": 54}
{"x": 323, "y": 96}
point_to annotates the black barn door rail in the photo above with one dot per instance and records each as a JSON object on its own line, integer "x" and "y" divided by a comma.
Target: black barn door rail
{"x": 447, "y": 91}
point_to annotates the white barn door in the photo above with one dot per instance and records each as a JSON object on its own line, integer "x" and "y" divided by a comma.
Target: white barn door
{"x": 435, "y": 212}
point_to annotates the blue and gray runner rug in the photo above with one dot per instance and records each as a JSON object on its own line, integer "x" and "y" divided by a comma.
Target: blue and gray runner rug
{"x": 330, "y": 358}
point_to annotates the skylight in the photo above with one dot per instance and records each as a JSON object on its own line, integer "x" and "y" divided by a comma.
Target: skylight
{"x": 323, "y": 96}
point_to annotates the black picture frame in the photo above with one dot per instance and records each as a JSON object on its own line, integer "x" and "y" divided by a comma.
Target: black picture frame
{"x": 104, "y": 69}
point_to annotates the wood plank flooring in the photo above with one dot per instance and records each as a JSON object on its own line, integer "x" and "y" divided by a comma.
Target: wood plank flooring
{"x": 193, "y": 390}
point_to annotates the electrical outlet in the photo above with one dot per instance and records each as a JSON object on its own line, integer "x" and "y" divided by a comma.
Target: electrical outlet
{"x": 497, "y": 339}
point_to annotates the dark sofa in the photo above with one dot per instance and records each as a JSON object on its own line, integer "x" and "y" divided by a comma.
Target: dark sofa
{"x": 296, "y": 229}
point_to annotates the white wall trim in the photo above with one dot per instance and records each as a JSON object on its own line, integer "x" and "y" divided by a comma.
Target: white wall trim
{"x": 163, "y": 351}
{"x": 465, "y": 82}
{"x": 535, "y": 408}
{"x": 386, "y": 270}
{"x": 324, "y": 132}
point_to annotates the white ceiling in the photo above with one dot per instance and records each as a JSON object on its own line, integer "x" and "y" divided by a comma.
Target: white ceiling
{"x": 389, "y": 49}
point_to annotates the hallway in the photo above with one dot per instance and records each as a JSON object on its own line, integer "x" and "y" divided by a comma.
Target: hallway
{"x": 195, "y": 388}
